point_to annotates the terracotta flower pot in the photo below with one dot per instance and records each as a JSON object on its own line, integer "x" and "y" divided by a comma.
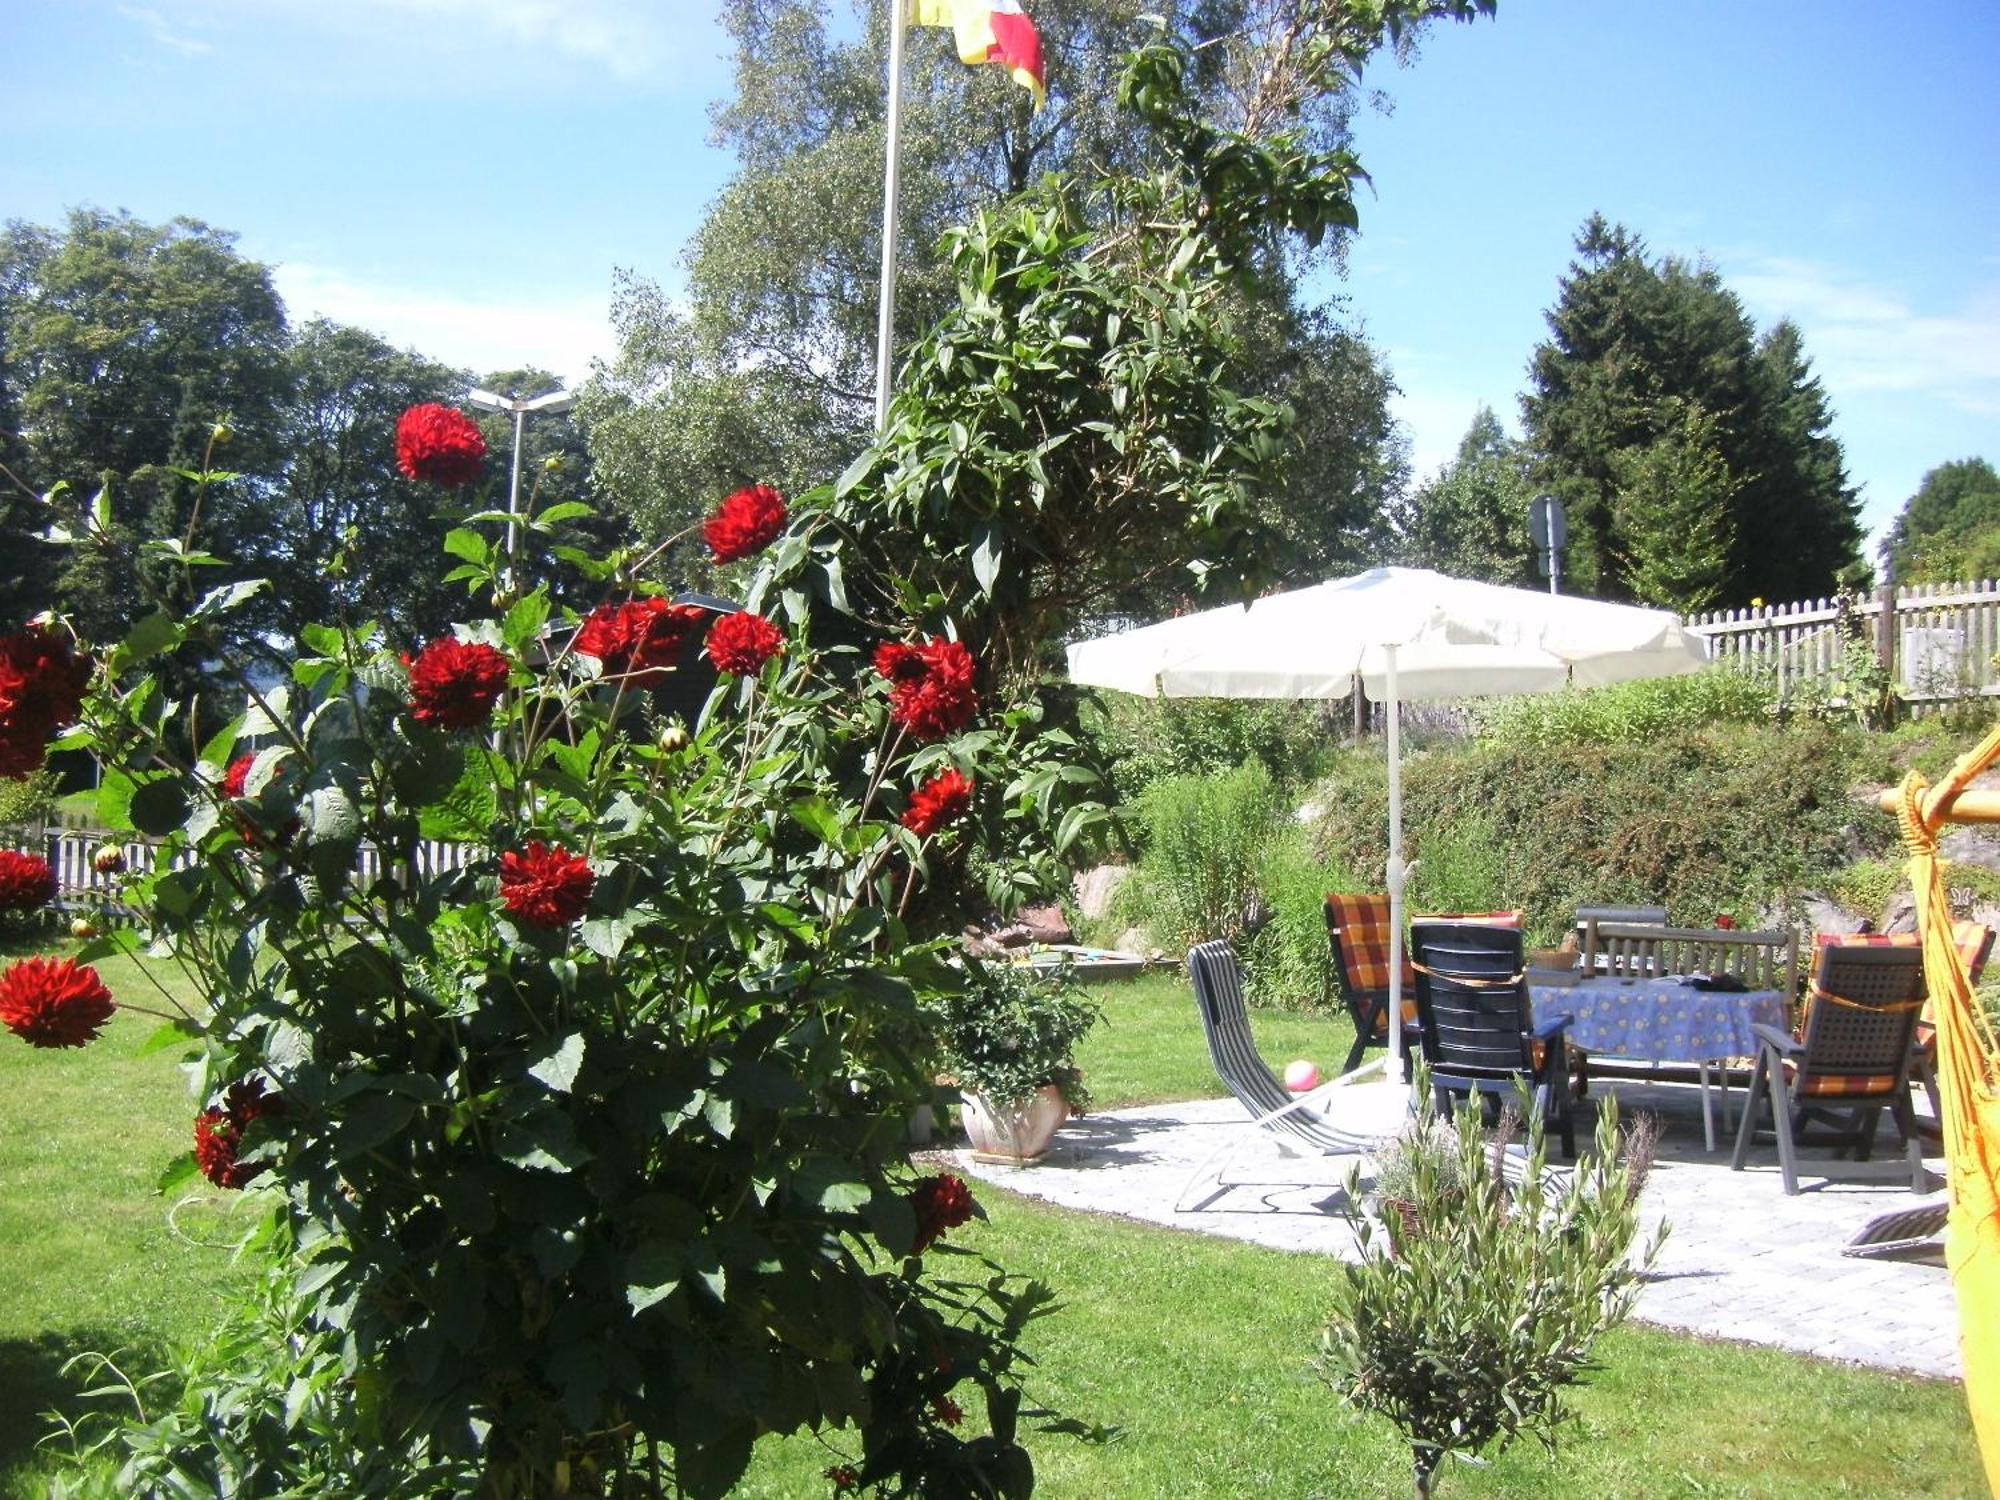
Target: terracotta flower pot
{"x": 1016, "y": 1135}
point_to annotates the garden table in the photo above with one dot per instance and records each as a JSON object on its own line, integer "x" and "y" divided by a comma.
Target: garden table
{"x": 1663, "y": 1019}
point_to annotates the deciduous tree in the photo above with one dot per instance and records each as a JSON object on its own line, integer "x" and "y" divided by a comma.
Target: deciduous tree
{"x": 1471, "y": 518}
{"x": 1950, "y": 528}
{"x": 763, "y": 367}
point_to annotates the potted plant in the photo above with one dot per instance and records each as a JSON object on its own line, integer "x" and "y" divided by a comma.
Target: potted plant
{"x": 1007, "y": 1043}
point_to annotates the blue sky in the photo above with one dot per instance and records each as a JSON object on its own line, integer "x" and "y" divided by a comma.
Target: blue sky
{"x": 464, "y": 175}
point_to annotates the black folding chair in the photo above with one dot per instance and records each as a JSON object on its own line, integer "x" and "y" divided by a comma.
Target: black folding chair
{"x": 1477, "y": 1027}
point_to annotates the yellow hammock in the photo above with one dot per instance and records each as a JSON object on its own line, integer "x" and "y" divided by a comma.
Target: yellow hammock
{"x": 1969, "y": 1081}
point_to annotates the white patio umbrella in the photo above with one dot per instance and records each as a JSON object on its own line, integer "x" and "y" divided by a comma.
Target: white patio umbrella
{"x": 1408, "y": 633}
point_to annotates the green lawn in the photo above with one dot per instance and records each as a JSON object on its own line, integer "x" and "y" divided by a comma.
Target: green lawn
{"x": 1150, "y": 1048}
{"x": 93, "y": 1257}
{"x": 1195, "y": 1348}
{"x": 1198, "y": 1350}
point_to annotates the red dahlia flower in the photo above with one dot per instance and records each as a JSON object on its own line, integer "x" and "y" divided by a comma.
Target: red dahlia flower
{"x": 440, "y": 444}
{"x": 941, "y": 800}
{"x": 642, "y": 637}
{"x": 26, "y": 881}
{"x": 941, "y": 1203}
{"x": 454, "y": 683}
{"x": 545, "y": 884}
{"x": 743, "y": 642}
{"x": 53, "y": 1002}
{"x": 218, "y": 1133}
{"x": 931, "y": 691}
{"x": 237, "y": 777}
{"x": 745, "y": 522}
{"x": 42, "y": 681}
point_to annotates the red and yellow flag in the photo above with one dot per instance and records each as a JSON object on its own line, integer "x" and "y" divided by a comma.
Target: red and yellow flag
{"x": 990, "y": 31}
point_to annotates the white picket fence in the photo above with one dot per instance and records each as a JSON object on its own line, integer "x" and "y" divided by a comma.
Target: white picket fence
{"x": 81, "y": 886}
{"x": 1939, "y": 647}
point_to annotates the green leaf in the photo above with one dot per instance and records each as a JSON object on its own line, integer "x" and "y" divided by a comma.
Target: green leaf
{"x": 181, "y": 1169}
{"x": 713, "y": 1469}
{"x": 607, "y": 936}
{"x": 819, "y": 818}
{"x": 831, "y": 1184}
{"x": 330, "y": 816}
{"x": 545, "y": 1140}
{"x": 227, "y": 599}
{"x": 370, "y": 1121}
{"x": 567, "y": 510}
{"x": 525, "y": 620}
{"x": 652, "y": 1274}
{"x": 169, "y": 1034}
{"x": 986, "y": 560}
{"x": 153, "y": 634}
{"x": 160, "y": 806}
{"x": 114, "y": 801}
{"x": 854, "y": 473}
{"x": 558, "y": 1069}
{"x": 221, "y": 745}
{"x": 469, "y": 545}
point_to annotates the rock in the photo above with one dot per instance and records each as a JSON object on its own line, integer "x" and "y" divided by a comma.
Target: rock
{"x": 1095, "y": 888}
{"x": 1901, "y": 913}
{"x": 1136, "y": 940}
{"x": 1045, "y": 924}
{"x": 1964, "y": 845}
{"x": 1824, "y": 915}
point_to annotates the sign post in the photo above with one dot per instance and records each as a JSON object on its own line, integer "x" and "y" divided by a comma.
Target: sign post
{"x": 1549, "y": 529}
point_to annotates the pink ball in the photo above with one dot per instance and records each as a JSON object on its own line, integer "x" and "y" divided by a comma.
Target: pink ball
{"x": 1301, "y": 1076}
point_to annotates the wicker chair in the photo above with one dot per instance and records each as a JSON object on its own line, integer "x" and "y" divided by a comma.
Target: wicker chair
{"x": 1852, "y": 1056}
{"x": 1477, "y": 1028}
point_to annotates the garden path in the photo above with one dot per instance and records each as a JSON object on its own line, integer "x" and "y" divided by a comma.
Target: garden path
{"x": 1743, "y": 1261}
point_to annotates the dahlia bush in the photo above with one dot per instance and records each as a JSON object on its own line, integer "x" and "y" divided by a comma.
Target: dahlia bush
{"x": 583, "y": 1155}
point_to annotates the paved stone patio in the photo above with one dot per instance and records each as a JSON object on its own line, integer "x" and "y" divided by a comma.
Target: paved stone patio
{"x": 1743, "y": 1261}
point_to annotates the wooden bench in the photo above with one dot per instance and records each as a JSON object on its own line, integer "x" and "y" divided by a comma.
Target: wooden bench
{"x": 1762, "y": 960}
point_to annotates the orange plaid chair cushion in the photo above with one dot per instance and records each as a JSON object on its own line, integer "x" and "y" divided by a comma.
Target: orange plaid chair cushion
{"x": 1823, "y": 1084}
{"x": 1973, "y": 940}
{"x": 1360, "y": 920}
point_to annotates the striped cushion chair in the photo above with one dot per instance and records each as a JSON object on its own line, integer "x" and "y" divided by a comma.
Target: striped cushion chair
{"x": 1851, "y": 1055}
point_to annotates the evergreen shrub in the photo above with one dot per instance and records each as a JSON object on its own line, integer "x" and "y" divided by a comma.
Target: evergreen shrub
{"x": 1728, "y": 818}
{"x": 1147, "y": 740}
{"x": 1631, "y": 712}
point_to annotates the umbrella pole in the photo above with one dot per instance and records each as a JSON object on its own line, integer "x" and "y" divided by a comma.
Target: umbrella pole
{"x": 1397, "y": 870}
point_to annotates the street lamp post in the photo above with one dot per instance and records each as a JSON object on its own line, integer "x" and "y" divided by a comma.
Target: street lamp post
{"x": 554, "y": 401}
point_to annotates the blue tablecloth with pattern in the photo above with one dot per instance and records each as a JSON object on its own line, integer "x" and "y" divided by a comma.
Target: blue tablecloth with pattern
{"x": 1662, "y": 1020}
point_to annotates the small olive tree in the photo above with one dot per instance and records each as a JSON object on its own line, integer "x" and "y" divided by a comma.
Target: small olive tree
{"x": 1477, "y": 1301}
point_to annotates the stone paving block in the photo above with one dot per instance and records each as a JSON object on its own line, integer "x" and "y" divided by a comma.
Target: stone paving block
{"x": 1744, "y": 1260}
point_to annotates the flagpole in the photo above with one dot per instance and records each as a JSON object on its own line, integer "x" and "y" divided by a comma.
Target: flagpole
{"x": 885, "y": 325}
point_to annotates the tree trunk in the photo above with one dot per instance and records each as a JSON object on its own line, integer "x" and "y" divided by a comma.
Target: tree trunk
{"x": 1426, "y": 1470}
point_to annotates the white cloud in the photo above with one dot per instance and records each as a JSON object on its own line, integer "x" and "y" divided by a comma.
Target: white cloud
{"x": 626, "y": 35}
{"x": 632, "y": 38}
{"x": 480, "y": 333}
{"x": 163, "y": 32}
{"x": 1864, "y": 337}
